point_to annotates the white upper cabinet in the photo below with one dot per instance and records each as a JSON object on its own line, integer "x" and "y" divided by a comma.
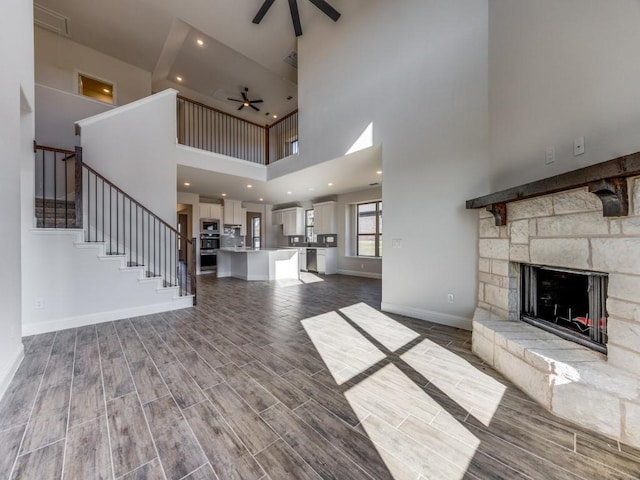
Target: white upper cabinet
{"x": 292, "y": 220}
{"x": 324, "y": 218}
{"x": 232, "y": 212}
{"x": 211, "y": 210}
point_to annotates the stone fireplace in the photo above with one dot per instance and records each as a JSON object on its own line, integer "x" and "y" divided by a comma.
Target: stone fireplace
{"x": 565, "y": 231}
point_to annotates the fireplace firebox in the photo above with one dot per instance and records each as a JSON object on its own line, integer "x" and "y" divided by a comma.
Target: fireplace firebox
{"x": 568, "y": 303}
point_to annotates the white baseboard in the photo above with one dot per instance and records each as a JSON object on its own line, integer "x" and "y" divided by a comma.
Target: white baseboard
{"x": 93, "y": 318}
{"x": 356, "y": 273}
{"x": 7, "y": 375}
{"x": 421, "y": 314}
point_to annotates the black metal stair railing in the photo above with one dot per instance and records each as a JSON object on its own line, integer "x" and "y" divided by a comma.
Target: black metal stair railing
{"x": 71, "y": 194}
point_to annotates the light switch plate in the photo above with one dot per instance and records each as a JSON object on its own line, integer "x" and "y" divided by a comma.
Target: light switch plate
{"x": 396, "y": 243}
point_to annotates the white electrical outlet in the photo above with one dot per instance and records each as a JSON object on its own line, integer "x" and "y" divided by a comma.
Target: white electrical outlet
{"x": 578, "y": 146}
{"x": 450, "y": 298}
{"x": 550, "y": 155}
{"x": 39, "y": 303}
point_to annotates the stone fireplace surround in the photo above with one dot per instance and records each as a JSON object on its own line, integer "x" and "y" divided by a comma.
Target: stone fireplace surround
{"x": 567, "y": 230}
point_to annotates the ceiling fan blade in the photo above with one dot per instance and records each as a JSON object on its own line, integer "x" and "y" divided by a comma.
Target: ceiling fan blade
{"x": 241, "y": 107}
{"x": 256, "y": 101}
{"x": 255, "y": 108}
{"x": 234, "y": 99}
{"x": 327, "y": 9}
{"x": 244, "y": 95}
{"x": 295, "y": 17}
{"x": 263, "y": 11}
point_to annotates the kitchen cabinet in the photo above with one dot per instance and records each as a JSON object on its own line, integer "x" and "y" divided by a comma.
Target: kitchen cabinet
{"x": 243, "y": 223}
{"x": 324, "y": 218}
{"x": 327, "y": 261}
{"x": 232, "y": 212}
{"x": 211, "y": 210}
{"x": 292, "y": 220}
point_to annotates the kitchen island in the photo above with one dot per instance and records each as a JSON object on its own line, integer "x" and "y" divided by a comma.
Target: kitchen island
{"x": 258, "y": 264}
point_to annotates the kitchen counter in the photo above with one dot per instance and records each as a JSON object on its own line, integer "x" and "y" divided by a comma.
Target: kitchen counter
{"x": 258, "y": 264}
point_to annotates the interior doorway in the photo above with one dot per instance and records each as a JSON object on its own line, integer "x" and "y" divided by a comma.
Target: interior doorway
{"x": 183, "y": 222}
{"x": 254, "y": 230}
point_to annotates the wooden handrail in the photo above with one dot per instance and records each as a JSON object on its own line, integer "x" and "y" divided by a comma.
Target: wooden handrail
{"x": 180, "y": 97}
{"x": 54, "y": 149}
{"x": 283, "y": 118}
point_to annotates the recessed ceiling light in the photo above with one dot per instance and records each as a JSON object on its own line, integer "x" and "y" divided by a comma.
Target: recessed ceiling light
{"x": 289, "y": 193}
{"x": 249, "y": 186}
{"x": 262, "y": 199}
{"x": 274, "y": 115}
{"x": 105, "y": 90}
{"x": 186, "y": 184}
{"x": 179, "y": 78}
{"x": 330, "y": 184}
{"x": 200, "y": 42}
{"x": 224, "y": 194}
{"x": 379, "y": 172}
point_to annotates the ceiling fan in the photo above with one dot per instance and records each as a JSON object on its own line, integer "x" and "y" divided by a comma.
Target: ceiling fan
{"x": 327, "y": 9}
{"x": 245, "y": 100}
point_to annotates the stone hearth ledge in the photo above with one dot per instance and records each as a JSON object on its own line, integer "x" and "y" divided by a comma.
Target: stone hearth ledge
{"x": 569, "y": 380}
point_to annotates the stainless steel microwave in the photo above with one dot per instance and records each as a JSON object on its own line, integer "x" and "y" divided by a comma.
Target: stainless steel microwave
{"x": 209, "y": 225}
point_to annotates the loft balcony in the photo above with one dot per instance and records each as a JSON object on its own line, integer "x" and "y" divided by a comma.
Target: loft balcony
{"x": 206, "y": 128}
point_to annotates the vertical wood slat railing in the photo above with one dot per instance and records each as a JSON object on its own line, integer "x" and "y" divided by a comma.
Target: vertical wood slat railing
{"x": 207, "y": 128}
{"x": 111, "y": 216}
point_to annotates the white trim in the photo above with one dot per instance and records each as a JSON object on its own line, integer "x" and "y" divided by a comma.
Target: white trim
{"x": 129, "y": 106}
{"x": 7, "y": 375}
{"x": 356, "y": 273}
{"x": 100, "y": 317}
{"x": 428, "y": 315}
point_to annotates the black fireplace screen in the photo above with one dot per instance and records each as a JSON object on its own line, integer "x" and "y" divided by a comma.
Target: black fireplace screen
{"x": 569, "y": 303}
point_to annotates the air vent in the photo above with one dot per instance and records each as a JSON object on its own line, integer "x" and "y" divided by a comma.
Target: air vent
{"x": 54, "y": 21}
{"x": 292, "y": 59}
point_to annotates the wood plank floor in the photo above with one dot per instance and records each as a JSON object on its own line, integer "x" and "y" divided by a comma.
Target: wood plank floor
{"x": 267, "y": 381}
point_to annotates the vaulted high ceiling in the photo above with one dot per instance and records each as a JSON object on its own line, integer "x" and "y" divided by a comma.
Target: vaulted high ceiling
{"x": 160, "y": 36}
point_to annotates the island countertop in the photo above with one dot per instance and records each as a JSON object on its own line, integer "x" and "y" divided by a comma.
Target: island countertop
{"x": 263, "y": 264}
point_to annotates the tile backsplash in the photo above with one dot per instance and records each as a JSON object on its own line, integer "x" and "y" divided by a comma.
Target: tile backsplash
{"x": 321, "y": 240}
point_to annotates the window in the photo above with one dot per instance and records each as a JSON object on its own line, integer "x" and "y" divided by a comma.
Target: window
{"x": 255, "y": 232}
{"x": 308, "y": 231}
{"x": 293, "y": 147}
{"x": 97, "y": 89}
{"x": 369, "y": 229}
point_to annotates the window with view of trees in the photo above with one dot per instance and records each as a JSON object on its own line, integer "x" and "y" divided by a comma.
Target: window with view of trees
{"x": 369, "y": 229}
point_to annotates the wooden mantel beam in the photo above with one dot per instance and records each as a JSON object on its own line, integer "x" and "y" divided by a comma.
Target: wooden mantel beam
{"x": 606, "y": 179}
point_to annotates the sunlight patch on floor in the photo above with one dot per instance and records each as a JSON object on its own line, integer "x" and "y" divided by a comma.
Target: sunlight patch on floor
{"x": 397, "y": 416}
{"x": 393, "y": 335}
{"x": 458, "y": 379}
{"x": 344, "y": 350}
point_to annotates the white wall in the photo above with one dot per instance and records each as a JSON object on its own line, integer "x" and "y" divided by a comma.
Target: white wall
{"x": 561, "y": 69}
{"x": 134, "y": 147}
{"x": 56, "y": 113}
{"x": 418, "y": 72}
{"x": 347, "y": 263}
{"x": 76, "y": 287}
{"x": 16, "y": 154}
{"x": 59, "y": 59}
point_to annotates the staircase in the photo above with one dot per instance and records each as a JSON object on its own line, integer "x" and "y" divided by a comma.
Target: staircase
{"x": 114, "y": 238}
{"x": 55, "y": 213}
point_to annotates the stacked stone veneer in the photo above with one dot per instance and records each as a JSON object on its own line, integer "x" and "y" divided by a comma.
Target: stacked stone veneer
{"x": 565, "y": 229}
